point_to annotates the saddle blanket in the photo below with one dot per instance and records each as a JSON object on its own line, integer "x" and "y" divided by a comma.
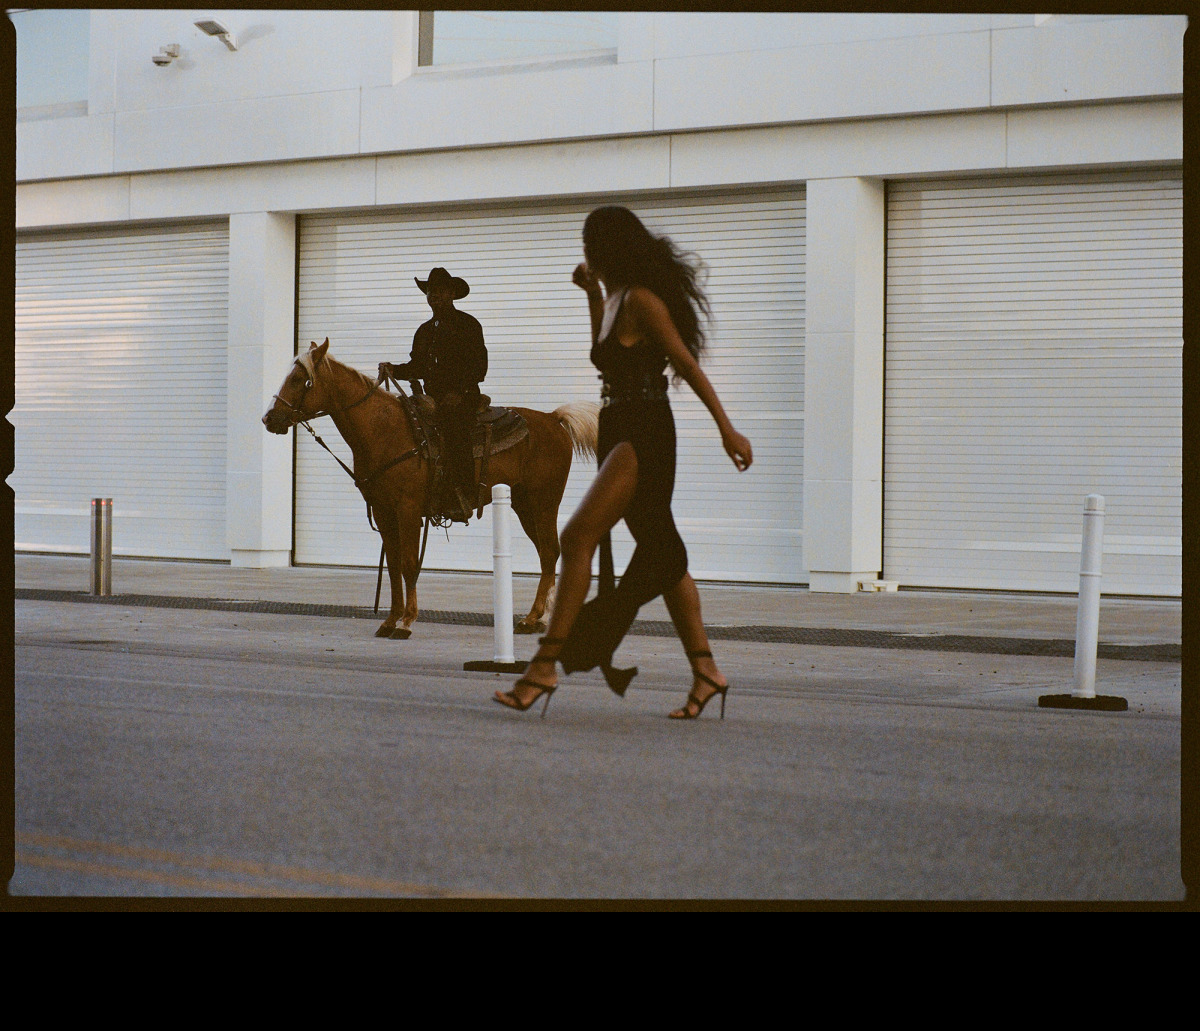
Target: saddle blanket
{"x": 508, "y": 428}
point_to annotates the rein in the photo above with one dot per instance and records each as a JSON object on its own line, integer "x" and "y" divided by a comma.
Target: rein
{"x": 302, "y": 419}
{"x": 363, "y": 481}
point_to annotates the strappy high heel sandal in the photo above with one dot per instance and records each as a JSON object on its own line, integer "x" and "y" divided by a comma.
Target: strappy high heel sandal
{"x": 509, "y": 700}
{"x": 685, "y": 713}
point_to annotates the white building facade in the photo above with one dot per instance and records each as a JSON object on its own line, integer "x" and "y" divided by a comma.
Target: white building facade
{"x": 944, "y": 258}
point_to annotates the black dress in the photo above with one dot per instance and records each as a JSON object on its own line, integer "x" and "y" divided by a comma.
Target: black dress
{"x": 636, "y": 410}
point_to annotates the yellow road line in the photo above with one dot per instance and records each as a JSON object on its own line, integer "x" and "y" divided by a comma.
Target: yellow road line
{"x": 265, "y": 871}
{"x": 199, "y": 886}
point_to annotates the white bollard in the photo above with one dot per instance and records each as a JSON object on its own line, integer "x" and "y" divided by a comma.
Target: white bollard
{"x": 502, "y": 602}
{"x": 502, "y": 596}
{"x": 1087, "y": 619}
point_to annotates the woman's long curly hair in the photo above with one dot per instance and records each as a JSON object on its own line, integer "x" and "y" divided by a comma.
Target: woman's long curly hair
{"x": 617, "y": 245}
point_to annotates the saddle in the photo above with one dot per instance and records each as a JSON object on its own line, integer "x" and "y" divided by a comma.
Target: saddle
{"x": 504, "y": 426}
{"x": 496, "y": 429}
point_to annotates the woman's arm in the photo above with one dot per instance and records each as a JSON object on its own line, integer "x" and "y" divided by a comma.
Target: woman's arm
{"x": 584, "y": 279}
{"x": 654, "y": 322}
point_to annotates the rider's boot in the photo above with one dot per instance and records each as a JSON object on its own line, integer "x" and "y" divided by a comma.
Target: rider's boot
{"x": 460, "y": 506}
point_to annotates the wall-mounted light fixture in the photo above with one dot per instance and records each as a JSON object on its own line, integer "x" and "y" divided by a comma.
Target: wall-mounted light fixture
{"x": 166, "y": 55}
{"x": 215, "y": 28}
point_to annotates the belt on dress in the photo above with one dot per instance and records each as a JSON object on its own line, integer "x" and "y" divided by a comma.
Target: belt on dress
{"x": 653, "y": 387}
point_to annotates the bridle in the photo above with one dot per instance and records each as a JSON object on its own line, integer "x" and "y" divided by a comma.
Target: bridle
{"x": 297, "y": 413}
{"x": 300, "y": 417}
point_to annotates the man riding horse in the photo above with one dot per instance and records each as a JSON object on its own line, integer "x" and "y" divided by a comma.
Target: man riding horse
{"x": 450, "y": 360}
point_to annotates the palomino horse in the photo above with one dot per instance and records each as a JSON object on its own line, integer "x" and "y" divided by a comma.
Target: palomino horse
{"x": 393, "y": 475}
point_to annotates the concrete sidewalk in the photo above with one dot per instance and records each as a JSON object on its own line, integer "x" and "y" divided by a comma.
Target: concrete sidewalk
{"x": 1130, "y": 628}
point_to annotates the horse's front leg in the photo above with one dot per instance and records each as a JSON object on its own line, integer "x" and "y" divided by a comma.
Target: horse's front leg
{"x": 393, "y": 552}
{"x": 409, "y": 523}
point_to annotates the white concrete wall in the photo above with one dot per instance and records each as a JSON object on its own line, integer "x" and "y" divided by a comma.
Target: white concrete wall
{"x": 843, "y": 382}
{"x": 316, "y": 84}
{"x": 262, "y": 291}
{"x": 326, "y": 110}
{"x": 1095, "y": 135}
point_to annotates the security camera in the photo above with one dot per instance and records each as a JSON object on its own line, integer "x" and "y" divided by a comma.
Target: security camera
{"x": 215, "y": 28}
{"x": 166, "y": 55}
{"x": 162, "y": 59}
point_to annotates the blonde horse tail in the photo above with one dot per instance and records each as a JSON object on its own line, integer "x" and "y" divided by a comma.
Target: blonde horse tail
{"x": 581, "y": 420}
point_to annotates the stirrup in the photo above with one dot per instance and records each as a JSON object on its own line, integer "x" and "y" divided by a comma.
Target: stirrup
{"x": 458, "y": 506}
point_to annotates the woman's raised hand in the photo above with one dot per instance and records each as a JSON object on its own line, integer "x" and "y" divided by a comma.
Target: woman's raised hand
{"x": 583, "y": 278}
{"x": 738, "y": 448}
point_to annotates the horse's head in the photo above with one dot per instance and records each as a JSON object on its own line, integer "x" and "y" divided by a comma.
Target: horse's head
{"x": 301, "y": 397}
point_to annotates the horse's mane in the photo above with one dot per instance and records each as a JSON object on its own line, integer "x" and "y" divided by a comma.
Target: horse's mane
{"x": 349, "y": 368}
{"x": 367, "y": 381}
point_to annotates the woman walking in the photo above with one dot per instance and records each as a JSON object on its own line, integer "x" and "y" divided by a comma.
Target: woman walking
{"x": 646, "y": 316}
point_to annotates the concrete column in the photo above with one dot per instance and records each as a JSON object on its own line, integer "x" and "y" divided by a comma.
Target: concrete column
{"x": 843, "y": 383}
{"x": 262, "y": 293}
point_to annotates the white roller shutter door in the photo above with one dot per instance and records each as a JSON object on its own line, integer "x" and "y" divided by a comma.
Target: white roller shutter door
{"x": 120, "y": 389}
{"x": 1034, "y": 349}
{"x": 356, "y": 287}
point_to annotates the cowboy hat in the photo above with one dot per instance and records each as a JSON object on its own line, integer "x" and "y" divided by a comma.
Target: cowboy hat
{"x": 440, "y": 277}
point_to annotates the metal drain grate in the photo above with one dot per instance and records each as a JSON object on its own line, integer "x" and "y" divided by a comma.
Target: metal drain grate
{"x": 840, "y": 638}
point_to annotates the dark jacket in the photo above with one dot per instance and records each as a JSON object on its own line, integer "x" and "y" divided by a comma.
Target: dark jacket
{"x": 449, "y": 354}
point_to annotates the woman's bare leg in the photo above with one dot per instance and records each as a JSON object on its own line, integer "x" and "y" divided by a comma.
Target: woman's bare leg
{"x": 683, "y": 603}
{"x": 598, "y": 512}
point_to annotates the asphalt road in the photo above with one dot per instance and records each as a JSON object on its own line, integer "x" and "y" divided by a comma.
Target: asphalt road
{"x": 187, "y": 753}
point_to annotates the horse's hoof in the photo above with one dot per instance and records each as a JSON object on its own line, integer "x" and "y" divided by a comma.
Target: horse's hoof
{"x": 525, "y": 627}
{"x": 401, "y": 634}
{"x": 384, "y": 631}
